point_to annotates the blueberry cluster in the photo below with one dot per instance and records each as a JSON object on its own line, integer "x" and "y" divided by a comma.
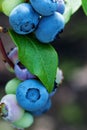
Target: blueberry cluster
{"x": 43, "y": 17}
{"x": 26, "y": 96}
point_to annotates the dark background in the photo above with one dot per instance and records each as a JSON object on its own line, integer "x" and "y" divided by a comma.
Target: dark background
{"x": 69, "y": 109}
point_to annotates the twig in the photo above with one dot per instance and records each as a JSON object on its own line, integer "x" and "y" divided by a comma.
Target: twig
{"x": 5, "y": 57}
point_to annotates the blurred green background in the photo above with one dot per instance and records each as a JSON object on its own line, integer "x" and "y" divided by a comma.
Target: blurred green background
{"x": 69, "y": 108}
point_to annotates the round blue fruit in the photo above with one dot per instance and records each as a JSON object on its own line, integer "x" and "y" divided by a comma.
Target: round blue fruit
{"x": 23, "y": 19}
{"x": 49, "y": 27}
{"x": 31, "y": 95}
{"x": 61, "y": 6}
{"x": 44, "y": 109}
{"x": 54, "y": 90}
{"x": 44, "y": 7}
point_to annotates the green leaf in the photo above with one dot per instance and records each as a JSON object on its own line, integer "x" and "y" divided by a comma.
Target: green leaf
{"x": 84, "y": 5}
{"x": 40, "y": 59}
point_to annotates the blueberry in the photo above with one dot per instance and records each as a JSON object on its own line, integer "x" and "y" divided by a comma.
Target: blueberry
{"x": 54, "y": 90}
{"x": 12, "y": 85}
{"x": 59, "y": 76}
{"x": 61, "y": 6}
{"x": 26, "y": 121}
{"x": 58, "y": 81}
{"x": 13, "y": 55}
{"x": 44, "y": 7}
{"x": 21, "y": 72}
{"x": 23, "y": 19}
{"x": 49, "y": 27}
{"x": 44, "y": 109}
{"x": 31, "y": 95}
{"x": 10, "y": 110}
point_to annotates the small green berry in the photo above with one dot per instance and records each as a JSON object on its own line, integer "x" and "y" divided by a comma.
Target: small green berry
{"x": 12, "y": 85}
{"x": 26, "y": 121}
{"x": 7, "y": 6}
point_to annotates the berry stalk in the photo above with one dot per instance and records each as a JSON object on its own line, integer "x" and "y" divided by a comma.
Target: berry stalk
{"x": 3, "y": 110}
{"x": 5, "y": 57}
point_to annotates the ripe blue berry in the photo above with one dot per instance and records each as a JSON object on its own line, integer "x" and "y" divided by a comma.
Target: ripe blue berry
{"x": 58, "y": 81}
{"x": 23, "y": 19}
{"x": 44, "y": 7}
{"x": 61, "y": 6}
{"x": 49, "y": 27}
{"x": 21, "y": 72}
{"x": 53, "y": 91}
{"x": 44, "y": 109}
{"x": 10, "y": 110}
{"x": 31, "y": 95}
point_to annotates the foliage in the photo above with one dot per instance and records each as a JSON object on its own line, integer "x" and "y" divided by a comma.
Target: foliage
{"x": 45, "y": 60}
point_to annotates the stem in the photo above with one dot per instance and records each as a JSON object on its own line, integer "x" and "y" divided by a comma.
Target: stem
{"x": 0, "y": 110}
{"x": 3, "y": 110}
{"x": 5, "y": 57}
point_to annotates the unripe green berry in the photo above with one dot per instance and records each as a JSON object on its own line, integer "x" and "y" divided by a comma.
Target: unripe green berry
{"x": 26, "y": 121}
{"x": 12, "y": 85}
{"x": 8, "y": 5}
